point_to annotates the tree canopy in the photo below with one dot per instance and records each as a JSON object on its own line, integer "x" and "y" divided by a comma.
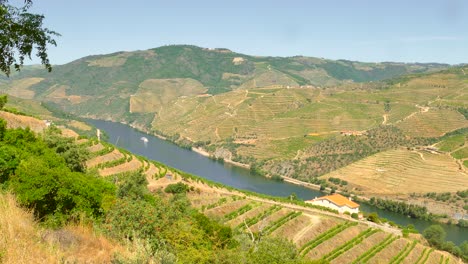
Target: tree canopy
{"x": 21, "y": 33}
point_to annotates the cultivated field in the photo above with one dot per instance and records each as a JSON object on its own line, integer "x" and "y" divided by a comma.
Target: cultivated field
{"x": 317, "y": 234}
{"x": 403, "y": 171}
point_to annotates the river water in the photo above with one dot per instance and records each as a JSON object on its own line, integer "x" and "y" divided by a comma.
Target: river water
{"x": 186, "y": 160}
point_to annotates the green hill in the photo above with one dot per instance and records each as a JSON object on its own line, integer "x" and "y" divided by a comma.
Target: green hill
{"x": 103, "y": 84}
{"x": 283, "y": 116}
{"x": 108, "y": 212}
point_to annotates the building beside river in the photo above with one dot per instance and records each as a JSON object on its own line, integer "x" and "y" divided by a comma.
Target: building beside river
{"x": 336, "y": 202}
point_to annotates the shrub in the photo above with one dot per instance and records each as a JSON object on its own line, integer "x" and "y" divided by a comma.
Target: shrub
{"x": 435, "y": 235}
{"x": 131, "y": 219}
{"x": 177, "y": 188}
{"x": 373, "y": 217}
{"x": 54, "y": 190}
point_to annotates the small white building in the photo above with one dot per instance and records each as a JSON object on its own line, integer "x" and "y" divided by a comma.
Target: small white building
{"x": 336, "y": 202}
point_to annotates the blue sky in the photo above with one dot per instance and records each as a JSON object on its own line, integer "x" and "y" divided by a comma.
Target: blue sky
{"x": 407, "y": 31}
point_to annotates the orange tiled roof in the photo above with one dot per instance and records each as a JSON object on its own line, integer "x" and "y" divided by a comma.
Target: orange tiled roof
{"x": 339, "y": 200}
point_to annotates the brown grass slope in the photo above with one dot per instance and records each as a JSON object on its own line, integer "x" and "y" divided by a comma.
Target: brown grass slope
{"x": 22, "y": 240}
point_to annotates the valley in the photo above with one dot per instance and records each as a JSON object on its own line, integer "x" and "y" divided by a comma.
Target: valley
{"x": 376, "y": 138}
{"x": 318, "y": 234}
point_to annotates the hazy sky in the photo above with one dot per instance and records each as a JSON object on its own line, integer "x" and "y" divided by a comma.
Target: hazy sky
{"x": 408, "y": 31}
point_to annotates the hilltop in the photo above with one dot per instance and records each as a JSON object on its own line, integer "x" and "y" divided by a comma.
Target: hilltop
{"x": 114, "y": 85}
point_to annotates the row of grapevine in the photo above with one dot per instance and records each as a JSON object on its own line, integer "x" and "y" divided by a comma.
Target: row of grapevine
{"x": 275, "y": 225}
{"x": 106, "y": 150}
{"x": 444, "y": 260}
{"x": 324, "y": 236}
{"x": 424, "y": 256}
{"x": 215, "y": 204}
{"x": 403, "y": 253}
{"x": 348, "y": 245}
{"x": 374, "y": 250}
{"x": 238, "y": 212}
{"x": 252, "y": 221}
{"x": 112, "y": 163}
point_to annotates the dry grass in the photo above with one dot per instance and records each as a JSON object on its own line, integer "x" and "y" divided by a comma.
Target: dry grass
{"x": 19, "y": 121}
{"x": 20, "y": 240}
{"x": 403, "y": 171}
{"x": 69, "y": 133}
{"x": 23, "y": 241}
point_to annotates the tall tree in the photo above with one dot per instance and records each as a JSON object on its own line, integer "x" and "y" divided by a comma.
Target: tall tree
{"x": 21, "y": 33}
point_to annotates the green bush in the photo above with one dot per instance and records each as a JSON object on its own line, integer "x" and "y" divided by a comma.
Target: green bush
{"x": 177, "y": 188}
{"x": 57, "y": 191}
{"x": 130, "y": 218}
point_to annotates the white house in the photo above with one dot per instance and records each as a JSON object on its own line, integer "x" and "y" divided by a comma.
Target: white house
{"x": 336, "y": 202}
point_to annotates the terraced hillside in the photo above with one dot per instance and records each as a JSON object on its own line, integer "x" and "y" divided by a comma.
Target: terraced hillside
{"x": 277, "y": 115}
{"x": 317, "y": 234}
{"x": 403, "y": 171}
{"x": 111, "y": 161}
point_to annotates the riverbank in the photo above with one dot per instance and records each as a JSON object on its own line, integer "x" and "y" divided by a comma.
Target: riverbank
{"x": 208, "y": 155}
{"x": 186, "y": 160}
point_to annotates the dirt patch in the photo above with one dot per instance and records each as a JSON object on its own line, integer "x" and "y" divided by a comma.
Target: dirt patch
{"x": 96, "y": 148}
{"x": 161, "y": 183}
{"x": 152, "y": 171}
{"x": 69, "y": 133}
{"x": 238, "y": 60}
{"x": 81, "y": 141}
{"x": 19, "y": 121}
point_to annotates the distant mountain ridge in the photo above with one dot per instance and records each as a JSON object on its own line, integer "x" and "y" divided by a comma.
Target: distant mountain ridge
{"x": 99, "y": 84}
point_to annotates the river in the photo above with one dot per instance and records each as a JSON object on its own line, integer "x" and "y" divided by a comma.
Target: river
{"x": 186, "y": 160}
